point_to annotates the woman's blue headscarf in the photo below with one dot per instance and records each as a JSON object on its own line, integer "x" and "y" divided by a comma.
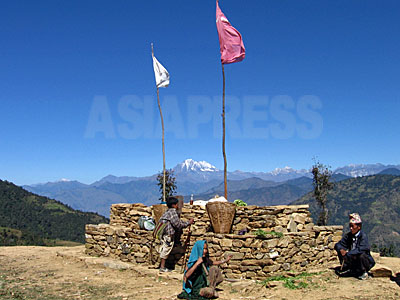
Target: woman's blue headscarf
{"x": 197, "y": 251}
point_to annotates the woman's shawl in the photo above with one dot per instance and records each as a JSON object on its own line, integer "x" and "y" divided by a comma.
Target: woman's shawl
{"x": 197, "y": 251}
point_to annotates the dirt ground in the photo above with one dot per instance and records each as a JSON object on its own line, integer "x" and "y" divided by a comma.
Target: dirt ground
{"x": 67, "y": 273}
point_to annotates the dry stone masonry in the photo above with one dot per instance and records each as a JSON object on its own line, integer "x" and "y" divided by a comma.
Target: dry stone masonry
{"x": 292, "y": 243}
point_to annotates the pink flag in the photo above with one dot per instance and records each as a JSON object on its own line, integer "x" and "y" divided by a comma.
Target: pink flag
{"x": 230, "y": 40}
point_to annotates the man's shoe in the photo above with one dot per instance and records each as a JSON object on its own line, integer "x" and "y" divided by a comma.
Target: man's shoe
{"x": 164, "y": 270}
{"x": 363, "y": 276}
{"x": 344, "y": 273}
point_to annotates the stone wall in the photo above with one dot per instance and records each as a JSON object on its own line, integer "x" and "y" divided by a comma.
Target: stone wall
{"x": 282, "y": 218}
{"x": 300, "y": 245}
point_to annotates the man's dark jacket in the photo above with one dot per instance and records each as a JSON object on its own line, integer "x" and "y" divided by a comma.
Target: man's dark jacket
{"x": 362, "y": 245}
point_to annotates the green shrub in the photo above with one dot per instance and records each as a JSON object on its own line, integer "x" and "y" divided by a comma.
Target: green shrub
{"x": 262, "y": 233}
{"x": 293, "y": 283}
{"x": 239, "y": 202}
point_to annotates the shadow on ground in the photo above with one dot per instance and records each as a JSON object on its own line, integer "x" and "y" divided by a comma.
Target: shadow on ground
{"x": 396, "y": 278}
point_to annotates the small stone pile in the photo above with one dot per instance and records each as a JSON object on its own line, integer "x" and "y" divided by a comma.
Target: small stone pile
{"x": 291, "y": 242}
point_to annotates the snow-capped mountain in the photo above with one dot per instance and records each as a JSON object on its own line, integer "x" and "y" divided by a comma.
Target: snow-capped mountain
{"x": 196, "y": 171}
{"x": 280, "y": 174}
{"x": 202, "y": 171}
{"x": 288, "y": 170}
{"x": 190, "y": 165}
{"x": 358, "y": 170}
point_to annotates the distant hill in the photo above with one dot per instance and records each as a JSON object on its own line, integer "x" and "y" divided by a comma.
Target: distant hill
{"x": 79, "y": 196}
{"x": 390, "y": 171}
{"x": 118, "y": 179}
{"x": 339, "y": 177}
{"x": 99, "y": 197}
{"x": 376, "y": 198}
{"x": 29, "y": 219}
{"x": 245, "y": 184}
{"x": 255, "y": 191}
{"x": 57, "y": 187}
{"x": 276, "y": 195}
{"x": 148, "y": 193}
{"x": 304, "y": 183}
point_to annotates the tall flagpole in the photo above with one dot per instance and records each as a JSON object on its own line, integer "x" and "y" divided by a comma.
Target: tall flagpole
{"x": 162, "y": 126}
{"x": 223, "y": 132}
{"x": 229, "y": 40}
{"x": 163, "y": 145}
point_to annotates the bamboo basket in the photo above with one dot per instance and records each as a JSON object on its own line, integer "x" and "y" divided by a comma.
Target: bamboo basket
{"x": 158, "y": 210}
{"x": 221, "y": 215}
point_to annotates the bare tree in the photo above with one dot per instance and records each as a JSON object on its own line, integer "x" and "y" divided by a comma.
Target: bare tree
{"x": 322, "y": 184}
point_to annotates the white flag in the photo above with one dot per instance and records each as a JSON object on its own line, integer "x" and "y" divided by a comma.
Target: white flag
{"x": 161, "y": 74}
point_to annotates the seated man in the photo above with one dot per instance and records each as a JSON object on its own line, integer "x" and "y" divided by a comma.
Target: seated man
{"x": 354, "y": 252}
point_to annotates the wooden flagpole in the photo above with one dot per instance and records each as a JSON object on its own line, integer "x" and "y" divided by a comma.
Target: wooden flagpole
{"x": 163, "y": 145}
{"x": 187, "y": 244}
{"x": 162, "y": 126}
{"x": 223, "y": 132}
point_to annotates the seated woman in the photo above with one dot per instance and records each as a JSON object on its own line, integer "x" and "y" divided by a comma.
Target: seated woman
{"x": 201, "y": 275}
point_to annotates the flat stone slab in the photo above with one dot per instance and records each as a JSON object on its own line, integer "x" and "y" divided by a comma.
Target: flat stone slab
{"x": 381, "y": 271}
{"x": 116, "y": 265}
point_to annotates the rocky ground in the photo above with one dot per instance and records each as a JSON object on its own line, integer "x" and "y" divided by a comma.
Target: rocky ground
{"x": 67, "y": 273}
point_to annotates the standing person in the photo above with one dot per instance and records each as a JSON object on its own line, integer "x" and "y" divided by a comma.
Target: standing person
{"x": 172, "y": 231}
{"x": 201, "y": 275}
{"x": 354, "y": 251}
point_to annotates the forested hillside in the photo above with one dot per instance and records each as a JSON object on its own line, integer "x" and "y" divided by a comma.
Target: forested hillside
{"x": 29, "y": 219}
{"x": 376, "y": 198}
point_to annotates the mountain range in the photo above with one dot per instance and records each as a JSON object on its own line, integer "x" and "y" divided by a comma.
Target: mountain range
{"x": 200, "y": 178}
{"x": 34, "y": 219}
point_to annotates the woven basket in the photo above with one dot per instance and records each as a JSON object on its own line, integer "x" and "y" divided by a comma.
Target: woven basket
{"x": 221, "y": 215}
{"x": 158, "y": 210}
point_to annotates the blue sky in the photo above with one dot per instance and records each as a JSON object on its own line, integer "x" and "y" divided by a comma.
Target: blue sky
{"x": 78, "y": 97}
